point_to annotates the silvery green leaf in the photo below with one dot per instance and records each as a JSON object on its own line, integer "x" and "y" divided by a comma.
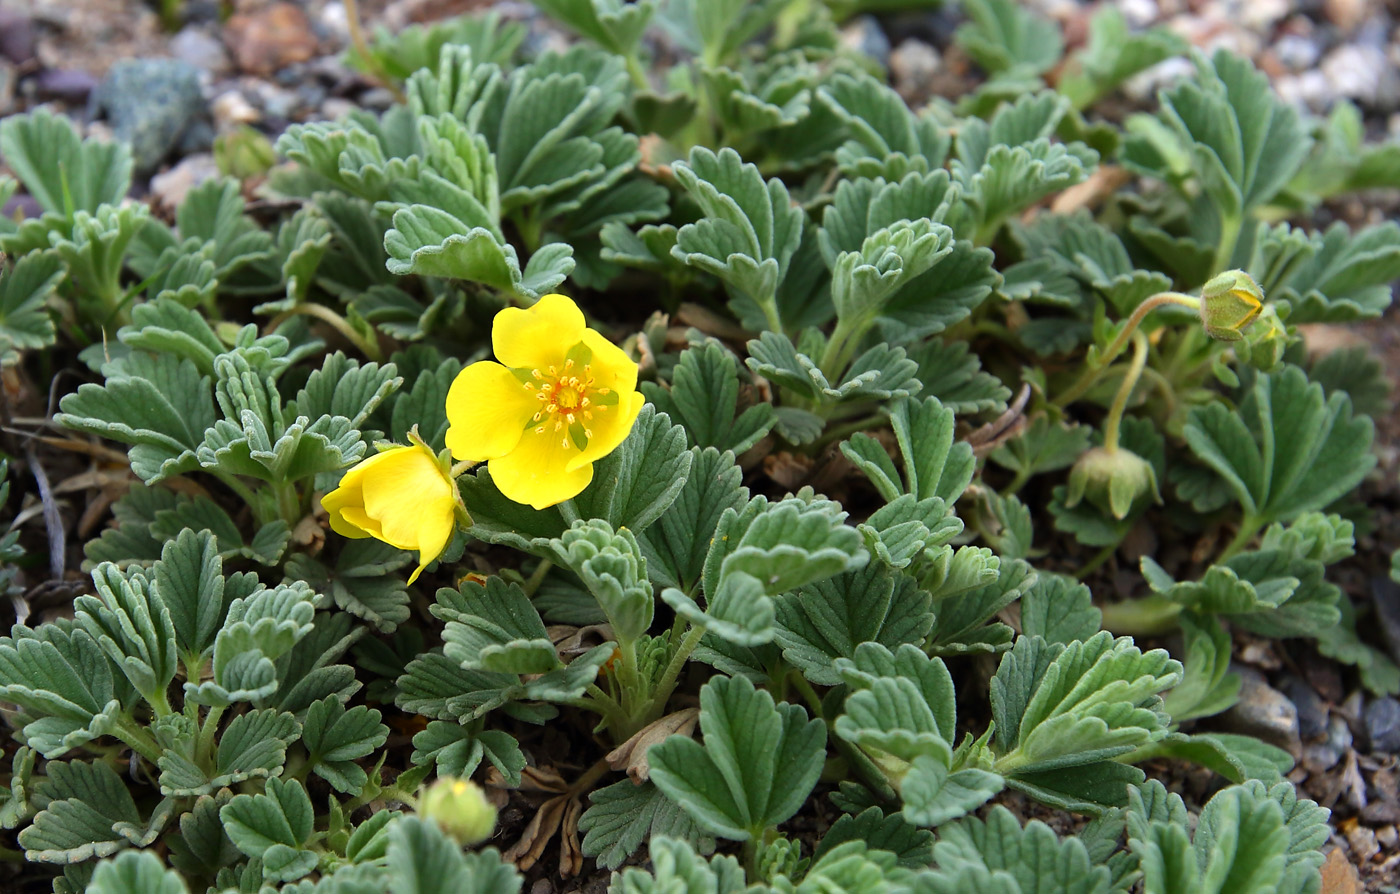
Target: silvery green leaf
{"x": 63, "y": 173}
{"x": 273, "y": 827}
{"x": 1010, "y": 178}
{"x": 758, "y": 764}
{"x": 887, "y": 260}
{"x": 1032, "y": 859}
{"x": 633, "y": 485}
{"x": 899, "y": 532}
{"x": 1206, "y": 686}
{"x": 611, "y": 566}
{"x": 704, "y": 398}
{"x": 913, "y": 847}
{"x": 1058, "y": 610}
{"x": 422, "y": 859}
{"x": 614, "y": 25}
{"x": 64, "y": 683}
{"x": 131, "y": 623}
{"x": 1270, "y": 451}
{"x": 882, "y": 129}
{"x": 677, "y": 866}
{"x": 750, "y": 229}
{"x": 346, "y": 388}
{"x": 830, "y": 619}
{"x": 1347, "y": 277}
{"x": 1042, "y": 446}
{"x": 950, "y": 372}
{"x": 349, "y": 155}
{"x": 83, "y": 803}
{"x": 457, "y": 751}
{"x": 676, "y": 544}
{"x": 336, "y": 737}
{"x": 1114, "y": 54}
{"x": 25, "y": 323}
{"x": 252, "y": 746}
{"x": 257, "y": 630}
{"x": 1003, "y": 36}
{"x": 135, "y": 872}
{"x": 494, "y": 628}
{"x": 623, "y": 815}
{"x": 95, "y": 252}
{"x": 212, "y": 212}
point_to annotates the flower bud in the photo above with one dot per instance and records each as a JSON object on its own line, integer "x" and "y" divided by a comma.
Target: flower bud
{"x": 243, "y": 153}
{"x": 1116, "y": 481}
{"x": 1229, "y": 304}
{"x": 1264, "y": 346}
{"x": 460, "y": 807}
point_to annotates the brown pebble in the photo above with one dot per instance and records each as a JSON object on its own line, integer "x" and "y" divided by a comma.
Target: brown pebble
{"x": 270, "y": 39}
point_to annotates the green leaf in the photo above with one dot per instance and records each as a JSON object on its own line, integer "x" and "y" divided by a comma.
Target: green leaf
{"x": 63, "y": 173}
{"x": 427, "y": 241}
{"x": 704, "y": 399}
{"x": 614, "y": 25}
{"x": 1114, "y": 54}
{"x": 934, "y": 465}
{"x": 633, "y": 485}
{"x": 1342, "y": 642}
{"x": 65, "y": 684}
{"x": 1346, "y": 277}
{"x": 336, "y": 737}
{"x": 25, "y": 323}
{"x": 1033, "y": 857}
{"x": 1270, "y": 451}
{"x": 258, "y": 629}
{"x": 457, "y": 750}
{"x": 1004, "y": 37}
{"x": 830, "y": 619}
{"x": 160, "y": 405}
{"x": 756, "y": 768}
{"x": 494, "y": 628}
{"x": 273, "y": 827}
{"x": 422, "y": 859}
{"x": 912, "y": 846}
{"x": 677, "y": 867}
{"x": 623, "y": 815}
{"x": 84, "y": 803}
{"x": 885, "y": 136}
{"x": 950, "y": 372}
{"x": 1042, "y": 446}
{"x": 676, "y": 544}
{"x": 1206, "y": 686}
{"x": 212, "y": 212}
{"x": 253, "y": 746}
{"x": 130, "y": 622}
{"x": 135, "y": 872}
{"x": 611, "y": 566}
{"x": 1058, "y": 610}
{"x": 1090, "y": 700}
{"x": 750, "y": 229}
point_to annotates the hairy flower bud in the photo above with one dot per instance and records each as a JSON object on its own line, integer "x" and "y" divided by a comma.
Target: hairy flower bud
{"x": 1116, "y": 481}
{"x": 1229, "y": 304}
{"x": 1266, "y": 342}
{"x": 460, "y": 807}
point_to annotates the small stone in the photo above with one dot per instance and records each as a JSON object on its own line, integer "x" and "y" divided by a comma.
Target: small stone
{"x": 1296, "y": 52}
{"x": 542, "y": 886}
{"x": 335, "y": 22}
{"x": 1258, "y": 15}
{"x": 1387, "y": 837}
{"x": 1382, "y": 719}
{"x": 170, "y": 188}
{"x": 233, "y": 108}
{"x": 1346, "y": 14}
{"x": 1323, "y": 756}
{"x": 1362, "y": 841}
{"x": 270, "y": 38}
{"x": 1385, "y": 593}
{"x": 197, "y": 48}
{"x": 1139, "y": 13}
{"x": 1312, "y": 711}
{"x": 16, "y": 36}
{"x": 64, "y": 85}
{"x": 1263, "y": 712}
{"x": 150, "y": 103}
{"x": 8, "y": 77}
{"x": 336, "y": 108}
{"x": 864, "y": 35}
{"x": 277, "y": 102}
{"x": 913, "y": 65}
{"x": 377, "y": 98}
{"x": 1354, "y": 72}
{"x": 1378, "y": 812}
{"x": 1308, "y": 90}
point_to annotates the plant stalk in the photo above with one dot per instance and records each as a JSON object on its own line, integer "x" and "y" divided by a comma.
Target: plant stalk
{"x": 1092, "y": 371}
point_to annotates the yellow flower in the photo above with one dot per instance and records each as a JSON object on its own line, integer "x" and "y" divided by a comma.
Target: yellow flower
{"x": 1229, "y": 304}
{"x": 402, "y": 496}
{"x": 561, "y": 398}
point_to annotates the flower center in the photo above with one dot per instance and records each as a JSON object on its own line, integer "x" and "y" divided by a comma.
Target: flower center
{"x": 568, "y": 399}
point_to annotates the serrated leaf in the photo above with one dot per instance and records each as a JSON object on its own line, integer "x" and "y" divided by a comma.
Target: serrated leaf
{"x": 633, "y": 485}
{"x": 65, "y": 683}
{"x": 623, "y": 815}
{"x": 494, "y": 628}
{"x": 704, "y": 398}
{"x": 457, "y": 750}
{"x": 1033, "y": 857}
{"x": 1004, "y": 37}
{"x": 1060, "y": 611}
{"x": 422, "y": 859}
{"x": 273, "y": 827}
{"x": 758, "y": 764}
{"x": 130, "y": 622}
{"x": 25, "y": 323}
{"x": 677, "y": 543}
{"x": 135, "y": 872}
{"x": 1114, "y": 54}
{"x": 63, "y": 173}
{"x": 336, "y": 737}
{"x": 84, "y": 802}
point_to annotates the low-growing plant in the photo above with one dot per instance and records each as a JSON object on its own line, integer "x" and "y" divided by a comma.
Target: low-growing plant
{"x": 753, "y": 520}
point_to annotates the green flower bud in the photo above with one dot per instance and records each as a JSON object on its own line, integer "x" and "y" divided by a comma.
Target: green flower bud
{"x": 1266, "y": 342}
{"x": 460, "y": 808}
{"x": 1229, "y": 304}
{"x": 1116, "y": 481}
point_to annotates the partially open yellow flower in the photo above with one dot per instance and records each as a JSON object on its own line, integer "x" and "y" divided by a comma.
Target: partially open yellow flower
{"x": 561, "y": 398}
{"x": 402, "y": 496}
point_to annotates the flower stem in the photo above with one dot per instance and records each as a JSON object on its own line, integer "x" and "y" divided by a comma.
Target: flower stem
{"x": 1092, "y": 371}
{"x": 205, "y": 746}
{"x": 1229, "y": 238}
{"x": 1249, "y": 526}
{"x": 667, "y": 684}
{"x": 336, "y": 322}
{"x": 1149, "y": 616}
{"x": 1125, "y": 391}
{"x": 138, "y": 738}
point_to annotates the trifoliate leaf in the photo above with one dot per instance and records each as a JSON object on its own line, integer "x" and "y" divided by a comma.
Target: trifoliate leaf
{"x": 912, "y": 846}
{"x": 1347, "y": 277}
{"x": 253, "y": 746}
{"x": 953, "y": 374}
{"x": 1114, "y": 54}
{"x": 258, "y": 629}
{"x": 457, "y": 751}
{"x": 212, "y": 212}
{"x": 758, "y": 764}
{"x": 25, "y": 323}
{"x": 63, "y": 173}
{"x": 1270, "y": 452}
{"x": 494, "y": 628}
{"x": 1005, "y": 37}
{"x": 64, "y": 682}
{"x": 623, "y": 815}
{"x": 336, "y": 737}
{"x": 84, "y": 802}
{"x": 1035, "y": 859}
{"x": 885, "y": 136}
{"x": 273, "y": 827}
{"x": 130, "y": 622}
{"x": 750, "y": 229}
{"x": 704, "y": 398}
{"x": 611, "y": 566}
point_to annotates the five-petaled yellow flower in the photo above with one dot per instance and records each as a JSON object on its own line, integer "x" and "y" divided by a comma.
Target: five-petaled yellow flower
{"x": 561, "y": 398}
{"x": 402, "y": 496}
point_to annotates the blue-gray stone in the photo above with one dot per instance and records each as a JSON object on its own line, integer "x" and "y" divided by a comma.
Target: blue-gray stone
{"x": 150, "y": 103}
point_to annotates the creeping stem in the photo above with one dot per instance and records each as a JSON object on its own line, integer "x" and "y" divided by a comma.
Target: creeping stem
{"x": 1125, "y": 391}
{"x": 1093, "y": 370}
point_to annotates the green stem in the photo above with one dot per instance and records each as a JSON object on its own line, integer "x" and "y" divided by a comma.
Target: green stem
{"x": 1229, "y": 237}
{"x": 613, "y": 714}
{"x": 335, "y": 321}
{"x": 1149, "y": 616}
{"x": 802, "y": 685}
{"x": 667, "y": 684}
{"x": 836, "y": 434}
{"x": 636, "y": 71}
{"x": 1125, "y": 391}
{"x": 1092, "y": 371}
{"x": 141, "y": 741}
{"x": 1249, "y": 526}
{"x": 204, "y": 748}
{"x": 238, "y": 487}
{"x": 1092, "y": 565}
{"x": 288, "y": 503}
{"x": 532, "y": 583}
{"x": 841, "y": 346}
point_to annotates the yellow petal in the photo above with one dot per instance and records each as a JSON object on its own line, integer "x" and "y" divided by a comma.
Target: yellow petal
{"x": 433, "y": 533}
{"x": 345, "y": 507}
{"x": 488, "y": 408}
{"x": 611, "y": 367}
{"x": 537, "y": 471}
{"x": 537, "y": 337}
{"x": 610, "y": 428}
{"x": 400, "y": 489}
